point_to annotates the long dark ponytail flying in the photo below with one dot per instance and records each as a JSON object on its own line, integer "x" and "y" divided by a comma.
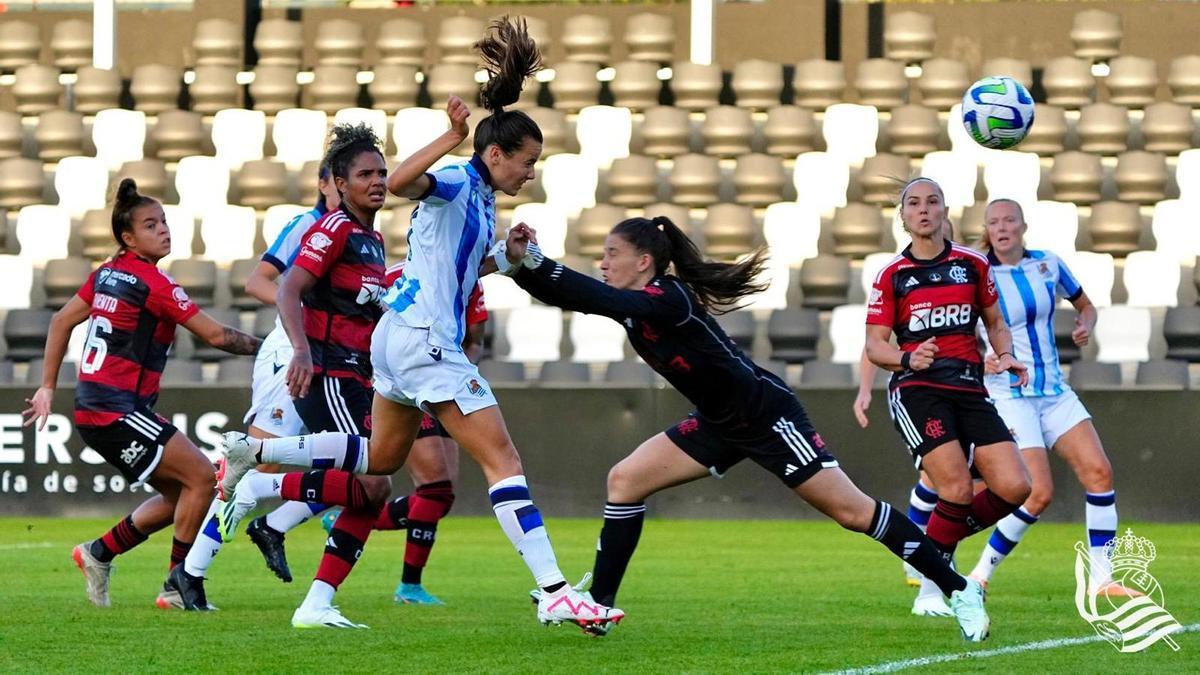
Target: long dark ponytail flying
{"x": 718, "y": 285}
{"x": 124, "y": 202}
{"x": 509, "y": 55}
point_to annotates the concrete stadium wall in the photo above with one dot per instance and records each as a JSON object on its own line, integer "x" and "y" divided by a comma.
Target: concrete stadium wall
{"x": 569, "y": 438}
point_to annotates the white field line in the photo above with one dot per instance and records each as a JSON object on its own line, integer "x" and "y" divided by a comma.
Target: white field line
{"x": 28, "y": 545}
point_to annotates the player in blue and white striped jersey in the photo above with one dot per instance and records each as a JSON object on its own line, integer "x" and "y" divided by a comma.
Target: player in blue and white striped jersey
{"x": 1045, "y": 413}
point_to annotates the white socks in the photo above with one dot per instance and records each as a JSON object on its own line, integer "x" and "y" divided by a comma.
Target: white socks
{"x": 1008, "y": 533}
{"x": 522, "y": 522}
{"x": 319, "y": 451}
{"x": 1101, "y": 516}
{"x": 291, "y": 514}
{"x": 208, "y": 543}
{"x": 320, "y": 595}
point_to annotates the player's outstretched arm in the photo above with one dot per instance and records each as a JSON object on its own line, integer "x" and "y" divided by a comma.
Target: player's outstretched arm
{"x": 261, "y": 284}
{"x": 226, "y": 338}
{"x": 409, "y": 179}
{"x": 64, "y": 321}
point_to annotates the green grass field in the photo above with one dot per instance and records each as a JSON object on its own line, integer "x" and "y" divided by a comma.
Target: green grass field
{"x": 702, "y": 596}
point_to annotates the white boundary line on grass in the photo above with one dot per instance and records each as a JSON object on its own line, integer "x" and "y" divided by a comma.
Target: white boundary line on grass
{"x": 24, "y": 546}
{"x": 893, "y": 666}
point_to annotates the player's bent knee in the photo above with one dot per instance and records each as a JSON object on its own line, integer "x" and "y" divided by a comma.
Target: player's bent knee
{"x": 1039, "y": 499}
{"x": 378, "y": 488}
{"x": 957, "y": 492}
{"x": 622, "y": 484}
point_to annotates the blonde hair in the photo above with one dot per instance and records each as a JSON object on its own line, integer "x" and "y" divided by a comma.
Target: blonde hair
{"x": 985, "y": 242}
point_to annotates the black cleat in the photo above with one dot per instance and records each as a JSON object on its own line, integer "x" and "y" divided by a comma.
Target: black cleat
{"x": 270, "y": 543}
{"x": 189, "y": 588}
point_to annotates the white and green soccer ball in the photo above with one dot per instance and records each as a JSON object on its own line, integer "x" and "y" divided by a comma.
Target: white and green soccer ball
{"x": 997, "y": 112}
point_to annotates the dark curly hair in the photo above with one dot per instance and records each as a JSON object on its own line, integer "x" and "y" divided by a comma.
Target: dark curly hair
{"x": 346, "y": 143}
{"x": 125, "y": 201}
{"x": 509, "y": 55}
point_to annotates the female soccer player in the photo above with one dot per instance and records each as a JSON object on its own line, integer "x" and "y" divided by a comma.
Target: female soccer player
{"x": 1043, "y": 412}
{"x": 932, "y": 295}
{"x": 416, "y": 349}
{"x": 742, "y": 411}
{"x": 132, "y": 308}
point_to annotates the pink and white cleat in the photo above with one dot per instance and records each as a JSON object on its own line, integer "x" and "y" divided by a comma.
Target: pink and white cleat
{"x": 567, "y": 604}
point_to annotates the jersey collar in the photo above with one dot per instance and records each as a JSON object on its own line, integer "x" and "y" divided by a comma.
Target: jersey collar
{"x": 476, "y": 163}
{"x": 996, "y": 262}
{"x": 350, "y": 216}
{"x": 907, "y": 253}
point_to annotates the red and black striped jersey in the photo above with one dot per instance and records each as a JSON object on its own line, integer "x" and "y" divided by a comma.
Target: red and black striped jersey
{"x": 341, "y": 310}
{"x": 135, "y": 308}
{"x": 940, "y": 298}
{"x": 476, "y": 308}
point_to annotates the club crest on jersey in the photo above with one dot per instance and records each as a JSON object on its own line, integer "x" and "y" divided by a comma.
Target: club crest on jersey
{"x": 1044, "y": 270}
{"x": 958, "y": 275}
{"x": 477, "y": 389}
{"x": 181, "y": 297}
{"x": 319, "y": 242}
{"x": 876, "y": 297}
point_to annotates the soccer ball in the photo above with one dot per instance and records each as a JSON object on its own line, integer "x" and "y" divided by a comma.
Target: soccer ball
{"x": 997, "y": 112}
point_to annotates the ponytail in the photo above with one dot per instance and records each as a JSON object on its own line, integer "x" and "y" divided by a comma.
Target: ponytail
{"x": 125, "y": 201}
{"x": 509, "y": 55}
{"x": 719, "y": 286}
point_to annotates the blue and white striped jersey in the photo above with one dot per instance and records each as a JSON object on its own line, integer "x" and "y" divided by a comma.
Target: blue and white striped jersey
{"x": 451, "y": 232}
{"x": 282, "y": 252}
{"x": 1028, "y": 293}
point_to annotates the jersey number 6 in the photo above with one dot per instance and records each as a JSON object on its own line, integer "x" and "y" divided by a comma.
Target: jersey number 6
{"x": 95, "y": 349}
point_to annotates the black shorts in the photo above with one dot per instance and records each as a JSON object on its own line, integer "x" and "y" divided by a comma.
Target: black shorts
{"x": 431, "y": 427}
{"x": 927, "y": 417}
{"x": 336, "y": 404}
{"x": 788, "y": 446}
{"x": 133, "y": 444}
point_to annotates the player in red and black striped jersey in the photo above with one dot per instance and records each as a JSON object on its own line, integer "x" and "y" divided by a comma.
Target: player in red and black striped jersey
{"x": 133, "y": 308}
{"x": 932, "y": 296}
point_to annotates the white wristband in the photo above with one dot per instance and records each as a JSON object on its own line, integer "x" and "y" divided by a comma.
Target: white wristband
{"x": 499, "y": 254}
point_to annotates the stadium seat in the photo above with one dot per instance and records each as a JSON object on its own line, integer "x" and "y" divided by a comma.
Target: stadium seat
{"x": 575, "y": 86}
{"x": 739, "y": 326}
{"x": 1123, "y": 334}
{"x": 1053, "y": 226}
{"x": 1166, "y": 374}
{"x": 758, "y": 180}
{"x": 650, "y": 36}
{"x": 279, "y": 42}
{"x": 664, "y": 132}
{"x": 825, "y": 281}
{"x": 821, "y": 180}
{"x": 596, "y": 339}
{"x": 1096, "y": 34}
{"x": 198, "y": 276}
{"x": 881, "y": 177}
{"x": 452, "y": 79}
{"x": 236, "y": 372}
{"x": 757, "y": 84}
{"x": 635, "y": 85}
{"x": 778, "y": 278}
{"x": 228, "y": 233}
{"x": 261, "y": 183}
{"x": 183, "y": 232}
{"x": 204, "y": 352}
{"x": 502, "y": 372}
{"x": 819, "y": 83}
{"x": 456, "y": 39}
{"x": 17, "y": 272}
{"x": 218, "y": 42}
{"x": 695, "y": 180}
{"x": 696, "y": 86}
{"x": 603, "y": 133}
{"x": 95, "y": 233}
{"x": 1048, "y": 135}
{"x": 502, "y": 293}
{"x": 62, "y": 278}
{"x": 550, "y": 221}
{"x": 1068, "y": 82}
{"x": 570, "y": 182}
{"x": 180, "y": 372}
{"x": 961, "y": 142}
{"x": 1175, "y": 231}
{"x": 908, "y": 37}
{"x": 847, "y": 332}
{"x": 36, "y": 89}
{"x": 71, "y": 44}
{"x": 12, "y": 135}
{"x": 274, "y": 88}
{"x": 375, "y": 119}
{"x": 534, "y": 333}
{"x": 1096, "y": 273}
{"x": 913, "y": 130}
{"x": 20, "y": 44}
{"x": 59, "y": 134}
{"x": 25, "y": 332}
{"x": 791, "y": 231}
{"x": 394, "y": 88}
{"x": 556, "y": 136}
{"x": 1181, "y": 329}
{"x": 1103, "y": 129}
{"x": 955, "y": 172}
{"x": 81, "y": 184}
{"x": 309, "y": 190}
{"x": 1132, "y": 81}
{"x": 857, "y": 230}
{"x": 1152, "y": 279}
{"x": 1183, "y": 78}
{"x": 727, "y": 131}
{"x": 299, "y": 136}
{"x": 587, "y": 38}
{"x": 401, "y": 42}
{"x": 264, "y": 321}
{"x": 943, "y": 82}
{"x": 825, "y": 375}
{"x": 677, "y": 214}
{"x": 68, "y": 373}
{"x": 789, "y": 131}
{"x": 1187, "y": 174}
{"x": 156, "y": 87}
{"x": 201, "y": 182}
{"x": 881, "y": 84}
{"x": 21, "y": 183}
{"x": 119, "y": 136}
{"x": 178, "y": 134}
{"x": 43, "y": 232}
{"x": 629, "y": 374}
{"x": 414, "y": 128}
{"x": 872, "y": 265}
{"x": 1087, "y": 375}
{"x": 239, "y": 272}
{"x": 794, "y": 334}
{"x": 1141, "y": 177}
{"x": 593, "y": 227}
{"x": 150, "y": 175}
{"x": 851, "y": 131}
{"x": 215, "y": 88}
{"x": 96, "y": 89}
{"x": 336, "y": 87}
{"x": 1076, "y": 177}
{"x": 1115, "y": 228}
{"x": 1167, "y": 128}
{"x": 633, "y": 181}
{"x": 1012, "y": 175}
{"x": 340, "y": 42}
{"x": 564, "y": 373}
{"x": 729, "y": 231}
{"x": 279, "y": 215}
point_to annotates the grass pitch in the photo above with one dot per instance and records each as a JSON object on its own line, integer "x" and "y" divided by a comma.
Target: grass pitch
{"x": 701, "y": 596}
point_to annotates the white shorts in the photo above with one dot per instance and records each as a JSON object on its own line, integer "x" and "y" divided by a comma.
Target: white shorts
{"x": 411, "y": 371}
{"x": 271, "y": 406}
{"x": 1039, "y": 421}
